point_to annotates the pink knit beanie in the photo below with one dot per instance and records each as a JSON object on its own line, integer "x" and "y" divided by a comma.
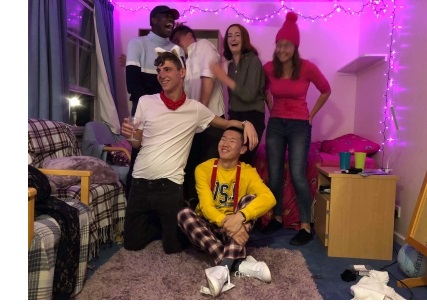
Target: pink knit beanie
{"x": 289, "y": 30}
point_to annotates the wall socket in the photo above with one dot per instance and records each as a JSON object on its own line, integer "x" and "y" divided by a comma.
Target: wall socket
{"x": 397, "y": 212}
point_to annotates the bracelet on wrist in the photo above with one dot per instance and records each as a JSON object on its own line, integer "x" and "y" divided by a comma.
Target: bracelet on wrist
{"x": 244, "y": 216}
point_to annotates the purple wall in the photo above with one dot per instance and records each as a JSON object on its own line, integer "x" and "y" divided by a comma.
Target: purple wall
{"x": 358, "y": 103}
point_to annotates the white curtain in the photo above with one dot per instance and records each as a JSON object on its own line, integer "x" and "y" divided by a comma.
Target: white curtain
{"x": 107, "y": 108}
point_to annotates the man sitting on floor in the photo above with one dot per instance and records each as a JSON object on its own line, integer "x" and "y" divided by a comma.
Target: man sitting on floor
{"x": 231, "y": 197}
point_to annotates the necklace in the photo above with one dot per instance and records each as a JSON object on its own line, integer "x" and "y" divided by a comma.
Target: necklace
{"x": 236, "y": 65}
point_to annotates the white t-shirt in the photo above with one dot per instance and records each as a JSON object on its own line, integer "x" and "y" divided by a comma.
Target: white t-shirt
{"x": 200, "y": 55}
{"x": 167, "y": 136}
{"x": 140, "y": 51}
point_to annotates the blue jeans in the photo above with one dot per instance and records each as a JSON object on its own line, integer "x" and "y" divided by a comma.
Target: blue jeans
{"x": 295, "y": 135}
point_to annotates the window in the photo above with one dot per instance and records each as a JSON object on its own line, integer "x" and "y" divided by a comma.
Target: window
{"x": 81, "y": 59}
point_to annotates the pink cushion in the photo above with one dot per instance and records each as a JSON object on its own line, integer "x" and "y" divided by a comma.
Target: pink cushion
{"x": 349, "y": 142}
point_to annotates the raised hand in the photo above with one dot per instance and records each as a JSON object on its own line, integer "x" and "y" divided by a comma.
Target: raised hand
{"x": 250, "y": 135}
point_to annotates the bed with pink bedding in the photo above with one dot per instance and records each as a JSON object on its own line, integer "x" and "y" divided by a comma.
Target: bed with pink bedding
{"x": 322, "y": 153}
{"x": 328, "y": 159}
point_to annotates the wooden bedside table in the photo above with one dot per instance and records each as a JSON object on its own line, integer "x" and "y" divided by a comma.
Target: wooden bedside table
{"x": 356, "y": 220}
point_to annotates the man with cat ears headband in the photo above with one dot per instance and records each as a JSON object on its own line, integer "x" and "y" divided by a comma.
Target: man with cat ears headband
{"x": 169, "y": 122}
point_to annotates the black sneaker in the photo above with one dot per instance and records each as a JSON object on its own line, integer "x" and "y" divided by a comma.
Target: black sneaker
{"x": 272, "y": 226}
{"x": 302, "y": 237}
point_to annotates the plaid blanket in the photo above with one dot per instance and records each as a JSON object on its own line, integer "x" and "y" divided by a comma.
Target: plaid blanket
{"x": 42, "y": 252}
{"x": 87, "y": 229}
{"x": 52, "y": 139}
{"x": 108, "y": 206}
{"x": 49, "y": 140}
{"x": 42, "y": 258}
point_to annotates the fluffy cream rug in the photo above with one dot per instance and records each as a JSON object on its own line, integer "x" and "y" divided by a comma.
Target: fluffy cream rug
{"x": 150, "y": 274}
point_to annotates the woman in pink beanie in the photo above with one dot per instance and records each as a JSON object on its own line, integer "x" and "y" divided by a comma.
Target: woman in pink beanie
{"x": 288, "y": 78}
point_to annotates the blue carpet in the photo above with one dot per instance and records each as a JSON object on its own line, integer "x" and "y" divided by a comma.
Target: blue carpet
{"x": 326, "y": 270}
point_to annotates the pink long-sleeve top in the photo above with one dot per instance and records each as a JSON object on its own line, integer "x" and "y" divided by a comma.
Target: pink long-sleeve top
{"x": 289, "y": 96}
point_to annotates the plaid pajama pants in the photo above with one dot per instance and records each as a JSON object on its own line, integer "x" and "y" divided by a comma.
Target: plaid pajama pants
{"x": 211, "y": 238}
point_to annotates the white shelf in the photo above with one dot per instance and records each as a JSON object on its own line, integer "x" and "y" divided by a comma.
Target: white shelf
{"x": 362, "y": 62}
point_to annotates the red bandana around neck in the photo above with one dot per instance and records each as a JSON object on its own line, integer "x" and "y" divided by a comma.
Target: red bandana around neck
{"x": 172, "y": 105}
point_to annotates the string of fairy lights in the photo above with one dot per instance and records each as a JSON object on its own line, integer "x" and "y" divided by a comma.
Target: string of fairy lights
{"x": 379, "y": 7}
{"x": 390, "y": 83}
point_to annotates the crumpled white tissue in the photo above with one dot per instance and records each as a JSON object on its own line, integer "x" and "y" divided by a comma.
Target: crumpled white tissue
{"x": 374, "y": 287}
